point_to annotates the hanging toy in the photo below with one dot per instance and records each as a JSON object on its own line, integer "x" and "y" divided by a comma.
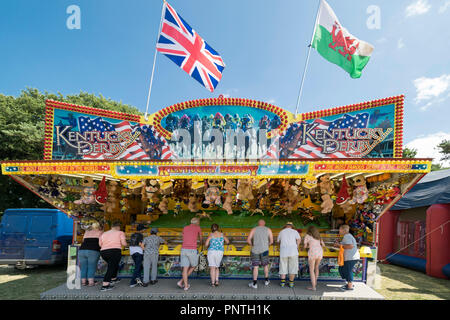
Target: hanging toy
{"x": 87, "y": 196}
{"x": 177, "y": 208}
{"x": 326, "y": 190}
{"x": 101, "y": 194}
{"x": 212, "y": 194}
{"x": 164, "y": 205}
{"x": 151, "y": 205}
{"x": 343, "y": 198}
{"x": 360, "y": 192}
{"x": 193, "y": 203}
{"x": 230, "y": 195}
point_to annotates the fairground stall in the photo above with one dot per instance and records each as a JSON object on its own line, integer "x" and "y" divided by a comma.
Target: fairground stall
{"x": 228, "y": 161}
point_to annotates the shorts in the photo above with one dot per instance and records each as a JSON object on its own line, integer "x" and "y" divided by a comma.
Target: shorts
{"x": 189, "y": 258}
{"x": 289, "y": 265}
{"x": 215, "y": 258}
{"x": 260, "y": 259}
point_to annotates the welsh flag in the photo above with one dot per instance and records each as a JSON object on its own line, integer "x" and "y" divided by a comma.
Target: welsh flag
{"x": 337, "y": 45}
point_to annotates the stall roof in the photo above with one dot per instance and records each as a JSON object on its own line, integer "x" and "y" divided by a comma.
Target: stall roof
{"x": 434, "y": 188}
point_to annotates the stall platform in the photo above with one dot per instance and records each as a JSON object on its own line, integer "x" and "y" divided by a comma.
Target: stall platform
{"x": 166, "y": 289}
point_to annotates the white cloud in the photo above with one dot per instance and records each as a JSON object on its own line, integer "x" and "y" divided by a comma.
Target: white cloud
{"x": 400, "y": 43}
{"x": 271, "y": 101}
{"x": 426, "y": 147}
{"x": 417, "y": 8}
{"x": 444, "y": 7}
{"x": 382, "y": 40}
{"x": 432, "y": 90}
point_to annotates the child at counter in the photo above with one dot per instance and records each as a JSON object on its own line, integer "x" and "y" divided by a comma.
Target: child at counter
{"x": 137, "y": 253}
{"x": 351, "y": 256}
{"x": 151, "y": 255}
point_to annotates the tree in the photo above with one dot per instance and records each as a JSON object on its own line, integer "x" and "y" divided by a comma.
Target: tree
{"x": 409, "y": 153}
{"x": 22, "y": 135}
{"x": 444, "y": 147}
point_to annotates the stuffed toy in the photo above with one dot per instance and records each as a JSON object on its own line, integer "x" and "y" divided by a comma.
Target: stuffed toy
{"x": 150, "y": 188}
{"x": 193, "y": 203}
{"x": 309, "y": 185}
{"x": 326, "y": 190}
{"x": 87, "y": 196}
{"x": 166, "y": 187}
{"x": 101, "y": 193}
{"x": 152, "y": 203}
{"x": 343, "y": 198}
{"x": 198, "y": 186}
{"x": 112, "y": 203}
{"x": 230, "y": 195}
{"x": 177, "y": 208}
{"x": 360, "y": 192}
{"x": 308, "y": 205}
{"x": 212, "y": 193}
{"x": 293, "y": 197}
{"x": 164, "y": 205}
{"x": 244, "y": 190}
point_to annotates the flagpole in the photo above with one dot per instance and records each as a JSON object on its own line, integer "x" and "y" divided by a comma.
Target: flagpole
{"x": 154, "y": 62}
{"x": 307, "y": 58}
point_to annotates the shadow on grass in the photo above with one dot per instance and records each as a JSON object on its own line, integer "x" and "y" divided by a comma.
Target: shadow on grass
{"x": 30, "y": 283}
{"x": 415, "y": 282}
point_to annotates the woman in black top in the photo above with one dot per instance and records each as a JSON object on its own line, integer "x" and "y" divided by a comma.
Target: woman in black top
{"x": 89, "y": 254}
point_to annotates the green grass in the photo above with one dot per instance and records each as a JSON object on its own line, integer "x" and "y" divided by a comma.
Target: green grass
{"x": 232, "y": 221}
{"x": 399, "y": 283}
{"x": 29, "y": 284}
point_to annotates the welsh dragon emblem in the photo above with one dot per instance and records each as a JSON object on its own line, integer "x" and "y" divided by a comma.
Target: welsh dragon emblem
{"x": 348, "y": 45}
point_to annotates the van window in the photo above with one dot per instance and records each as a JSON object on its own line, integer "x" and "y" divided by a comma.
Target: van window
{"x": 41, "y": 224}
{"x": 15, "y": 223}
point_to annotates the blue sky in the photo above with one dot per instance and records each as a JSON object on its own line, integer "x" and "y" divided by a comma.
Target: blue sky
{"x": 263, "y": 43}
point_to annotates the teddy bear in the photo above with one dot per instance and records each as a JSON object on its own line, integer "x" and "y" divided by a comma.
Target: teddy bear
{"x": 326, "y": 190}
{"x": 230, "y": 195}
{"x": 152, "y": 203}
{"x": 193, "y": 203}
{"x": 244, "y": 193}
{"x": 164, "y": 205}
{"x": 360, "y": 191}
{"x": 292, "y": 195}
{"x": 87, "y": 195}
{"x": 150, "y": 187}
{"x": 212, "y": 193}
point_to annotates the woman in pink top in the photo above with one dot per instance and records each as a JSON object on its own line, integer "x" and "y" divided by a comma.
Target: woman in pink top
{"x": 111, "y": 244}
{"x": 314, "y": 244}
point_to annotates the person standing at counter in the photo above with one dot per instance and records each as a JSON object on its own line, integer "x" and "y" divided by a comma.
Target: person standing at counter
{"x": 151, "y": 256}
{"x": 89, "y": 254}
{"x": 351, "y": 256}
{"x": 289, "y": 240}
{"x": 137, "y": 253}
{"x": 260, "y": 238}
{"x": 111, "y": 244}
{"x": 215, "y": 245}
{"x": 189, "y": 254}
{"x": 315, "y": 245}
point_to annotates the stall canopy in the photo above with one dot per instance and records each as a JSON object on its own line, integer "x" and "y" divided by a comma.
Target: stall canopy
{"x": 434, "y": 188}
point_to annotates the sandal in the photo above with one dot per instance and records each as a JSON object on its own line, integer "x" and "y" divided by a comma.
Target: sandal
{"x": 187, "y": 288}
{"x": 216, "y": 284}
{"x": 180, "y": 284}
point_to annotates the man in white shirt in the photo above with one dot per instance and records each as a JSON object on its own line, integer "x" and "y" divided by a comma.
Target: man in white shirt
{"x": 289, "y": 240}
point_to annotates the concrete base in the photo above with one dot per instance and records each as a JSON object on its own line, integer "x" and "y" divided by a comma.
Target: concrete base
{"x": 166, "y": 289}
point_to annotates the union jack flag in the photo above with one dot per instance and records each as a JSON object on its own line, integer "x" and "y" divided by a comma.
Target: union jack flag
{"x": 310, "y": 150}
{"x": 182, "y": 44}
{"x": 134, "y": 151}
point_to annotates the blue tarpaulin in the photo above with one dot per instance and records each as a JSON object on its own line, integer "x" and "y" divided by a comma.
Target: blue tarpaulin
{"x": 434, "y": 188}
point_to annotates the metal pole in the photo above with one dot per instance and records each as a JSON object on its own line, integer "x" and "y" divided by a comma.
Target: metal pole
{"x": 154, "y": 63}
{"x": 307, "y": 58}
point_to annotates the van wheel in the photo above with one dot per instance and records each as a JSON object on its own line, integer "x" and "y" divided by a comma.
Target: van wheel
{"x": 20, "y": 266}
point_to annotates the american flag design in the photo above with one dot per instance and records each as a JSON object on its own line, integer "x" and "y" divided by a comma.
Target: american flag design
{"x": 310, "y": 150}
{"x": 137, "y": 149}
{"x": 182, "y": 44}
